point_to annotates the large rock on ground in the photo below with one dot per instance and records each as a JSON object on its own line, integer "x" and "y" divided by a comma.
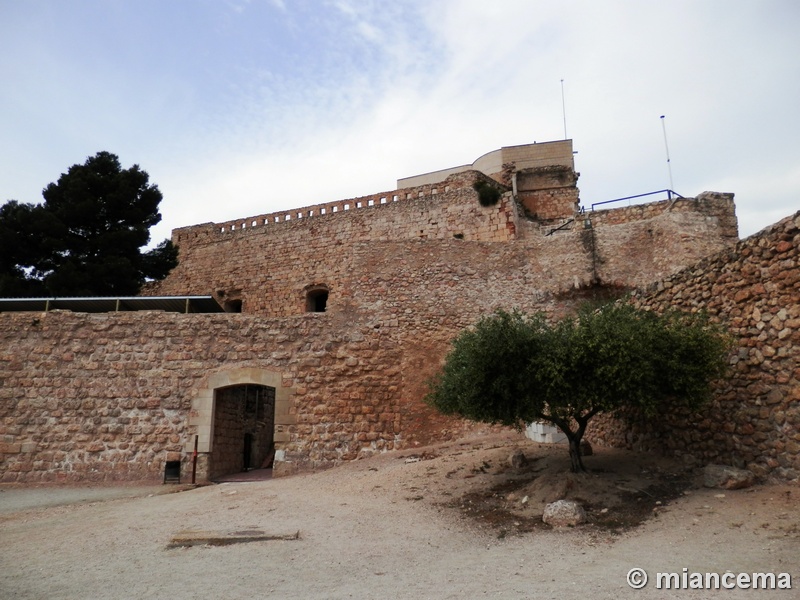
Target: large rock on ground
{"x": 728, "y": 478}
{"x": 517, "y": 459}
{"x": 564, "y": 513}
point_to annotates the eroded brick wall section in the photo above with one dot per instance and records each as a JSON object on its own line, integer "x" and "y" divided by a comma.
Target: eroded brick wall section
{"x": 754, "y": 420}
{"x": 548, "y": 193}
{"x": 640, "y": 244}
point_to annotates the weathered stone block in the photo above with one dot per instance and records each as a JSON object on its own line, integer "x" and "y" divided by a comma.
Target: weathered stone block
{"x": 726, "y": 477}
{"x": 564, "y": 513}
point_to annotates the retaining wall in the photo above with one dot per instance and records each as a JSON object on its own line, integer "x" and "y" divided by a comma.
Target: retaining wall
{"x": 754, "y": 419}
{"x": 101, "y": 397}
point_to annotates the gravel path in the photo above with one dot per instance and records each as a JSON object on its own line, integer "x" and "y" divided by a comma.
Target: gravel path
{"x": 373, "y": 529}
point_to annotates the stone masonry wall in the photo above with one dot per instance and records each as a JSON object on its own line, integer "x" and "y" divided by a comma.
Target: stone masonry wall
{"x": 432, "y": 288}
{"x": 754, "y": 419}
{"x": 634, "y": 246}
{"x": 102, "y": 397}
{"x": 548, "y": 193}
{"x": 270, "y": 267}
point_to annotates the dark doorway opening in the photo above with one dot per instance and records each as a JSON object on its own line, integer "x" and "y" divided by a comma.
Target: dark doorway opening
{"x": 248, "y": 451}
{"x": 317, "y": 300}
{"x": 244, "y": 429}
{"x": 232, "y": 306}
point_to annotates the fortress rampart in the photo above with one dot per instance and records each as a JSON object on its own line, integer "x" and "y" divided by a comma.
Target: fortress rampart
{"x": 753, "y": 289}
{"x": 336, "y": 317}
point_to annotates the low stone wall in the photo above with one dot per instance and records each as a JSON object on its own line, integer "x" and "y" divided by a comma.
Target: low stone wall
{"x": 754, "y": 418}
{"x": 104, "y": 397}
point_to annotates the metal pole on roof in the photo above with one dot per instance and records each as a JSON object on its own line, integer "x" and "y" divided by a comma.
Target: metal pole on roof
{"x": 564, "y": 109}
{"x": 666, "y": 146}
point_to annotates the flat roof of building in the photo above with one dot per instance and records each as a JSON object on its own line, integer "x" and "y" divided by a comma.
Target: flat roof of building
{"x": 179, "y": 304}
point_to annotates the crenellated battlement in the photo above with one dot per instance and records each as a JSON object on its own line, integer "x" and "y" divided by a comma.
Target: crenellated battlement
{"x": 458, "y": 182}
{"x": 502, "y": 167}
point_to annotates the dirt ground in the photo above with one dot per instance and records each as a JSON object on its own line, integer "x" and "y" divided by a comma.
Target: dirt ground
{"x": 453, "y": 520}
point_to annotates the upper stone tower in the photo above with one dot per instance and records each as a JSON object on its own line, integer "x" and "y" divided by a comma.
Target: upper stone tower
{"x": 542, "y": 177}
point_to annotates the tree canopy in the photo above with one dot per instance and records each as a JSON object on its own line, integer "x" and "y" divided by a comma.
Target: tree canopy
{"x": 515, "y": 369}
{"x": 86, "y": 239}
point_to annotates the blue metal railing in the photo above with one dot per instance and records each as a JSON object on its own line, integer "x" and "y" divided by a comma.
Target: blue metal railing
{"x": 670, "y": 195}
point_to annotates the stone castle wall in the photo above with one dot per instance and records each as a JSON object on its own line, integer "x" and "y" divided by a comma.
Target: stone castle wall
{"x": 754, "y": 419}
{"x": 104, "y": 397}
{"x": 114, "y": 396}
{"x": 646, "y": 242}
{"x": 270, "y": 267}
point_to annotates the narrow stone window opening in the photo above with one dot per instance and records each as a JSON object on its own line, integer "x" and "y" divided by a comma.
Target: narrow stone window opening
{"x": 317, "y": 299}
{"x": 232, "y": 306}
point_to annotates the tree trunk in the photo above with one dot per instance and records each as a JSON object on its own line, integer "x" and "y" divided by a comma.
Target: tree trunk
{"x": 576, "y": 462}
{"x": 574, "y": 437}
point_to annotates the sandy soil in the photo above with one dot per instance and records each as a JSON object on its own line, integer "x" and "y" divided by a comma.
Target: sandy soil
{"x": 447, "y": 521}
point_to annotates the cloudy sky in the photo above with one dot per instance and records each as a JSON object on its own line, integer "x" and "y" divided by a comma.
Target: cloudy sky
{"x": 241, "y": 107}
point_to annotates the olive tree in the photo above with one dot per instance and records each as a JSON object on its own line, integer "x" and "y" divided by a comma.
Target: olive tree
{"x": 513, "y": 369}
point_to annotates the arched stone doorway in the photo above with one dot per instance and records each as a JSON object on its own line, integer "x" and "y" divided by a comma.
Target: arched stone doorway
{"x": 227, "y": 409}
{"x": 243, "y": 429}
